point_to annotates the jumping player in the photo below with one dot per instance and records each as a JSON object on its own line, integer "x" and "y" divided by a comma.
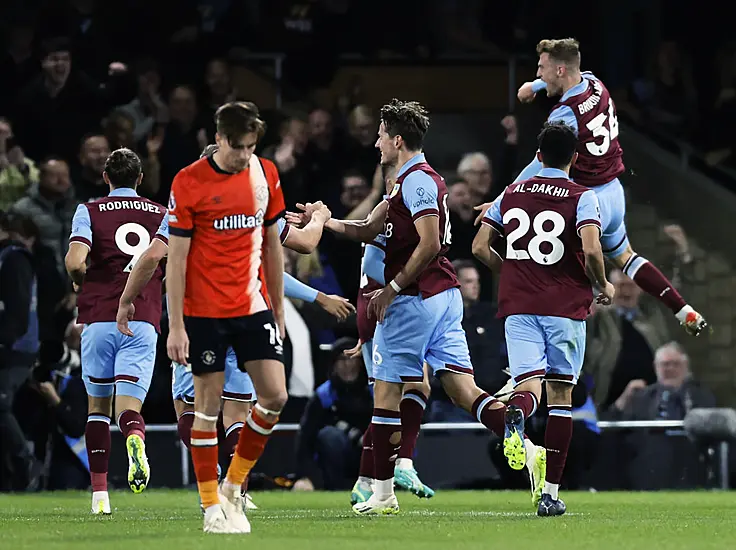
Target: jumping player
{"x": 553, "y": 254}
{"x": 420, "y": 310}
{"x": 112, "y": 233}
{"x": 225, "y": 289}
{"x": 586, "y": 106}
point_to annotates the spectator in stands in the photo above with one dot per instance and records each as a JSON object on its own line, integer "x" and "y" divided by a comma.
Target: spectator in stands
{"x": 148, "y": 109}
{"x": 667, "y": 97}
{"x": 621, "y": 341}
{"x": 183, "y": 140}
{"x": 333, "y": 424}
{"x": 57, "y": 108}
{"x": 362, "y": 152}
{"x": 461, "y": 202}
{"x": 18, "y": 342}
{"x": 88, "y": 182}
{"x": 18, "y": 65}
{"x": 119, "y": 126}
{"x": 17, "y": 173}
{"x": 288, "y": 155}
{"x": 219, "y": 90}
{"x": 51, "y": 206}
{"x": 325, "y": 157}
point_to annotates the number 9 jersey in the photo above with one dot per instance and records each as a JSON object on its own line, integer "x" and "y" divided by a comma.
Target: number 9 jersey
{"x": 543, "y": 270}
{"x": 117, "y": 230}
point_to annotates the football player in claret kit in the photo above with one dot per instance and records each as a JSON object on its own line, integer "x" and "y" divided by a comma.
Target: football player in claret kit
{"x": 553, "y": 253}
{"x": 108, "y": 236}
{"x": 238, "y": 392}
{"x": 587, "y": 107}
{"x": 420, "y": 310}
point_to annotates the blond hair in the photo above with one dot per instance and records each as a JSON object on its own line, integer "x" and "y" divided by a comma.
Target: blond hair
{"x": 566, "y": 50}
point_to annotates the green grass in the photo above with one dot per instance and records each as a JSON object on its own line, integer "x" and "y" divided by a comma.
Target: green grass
{"x": 303, "y": 521}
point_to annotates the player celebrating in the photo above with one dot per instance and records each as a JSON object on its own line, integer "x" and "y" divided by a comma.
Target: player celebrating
{"x": 225, "y": 289}
{"x": 587, "y": 107}
{"x": 420, "y": 311}
{"x": 550, "y": 224}
{"x": 113, "y": 232}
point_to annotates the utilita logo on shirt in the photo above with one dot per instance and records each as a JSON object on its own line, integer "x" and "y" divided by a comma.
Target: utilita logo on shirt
{"x": 239, "y": 221}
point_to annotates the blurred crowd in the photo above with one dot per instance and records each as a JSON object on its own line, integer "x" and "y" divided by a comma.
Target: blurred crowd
{"x": 76, "y": 85}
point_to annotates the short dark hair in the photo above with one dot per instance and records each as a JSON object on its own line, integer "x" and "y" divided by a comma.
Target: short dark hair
{"x": 565, "y": 50}
{"x": 123, "y": 167}
{"x": 20, "y": 224}
{"x": 462, "y": 263}
{"x": 54, "y": 45}
{"x": 238, "y": 118}
{"x": 557, "y": 144}
{"x": 408, "y": 119}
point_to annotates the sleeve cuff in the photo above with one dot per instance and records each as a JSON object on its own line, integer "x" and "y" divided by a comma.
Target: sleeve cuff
{"x": 425, "y": 212}
{"x": 285, "y": 233}
{"x": 83, "y": 240}
{"x": 161, "y": 238}
{"x": 272, "y": 220}
{"x": 493, "y": 224}
{"x": 180, "y": 232}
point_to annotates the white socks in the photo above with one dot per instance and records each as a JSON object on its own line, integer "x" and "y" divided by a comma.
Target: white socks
{"x": 551, "y": 489}
{"x": 384, "y": 489}
{"x": 404, "y": 463}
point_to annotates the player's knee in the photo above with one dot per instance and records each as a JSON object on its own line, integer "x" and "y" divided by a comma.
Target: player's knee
{"x": 422, "y": 387}
{"x": 275, "y": 401}
{"x": 559, "y": 393}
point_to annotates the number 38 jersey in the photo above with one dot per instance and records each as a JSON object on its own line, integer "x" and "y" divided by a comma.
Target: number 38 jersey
{"x": 117, "y": 229}
{"x": 543, "y": 270}
{"x": 588, "y": 107}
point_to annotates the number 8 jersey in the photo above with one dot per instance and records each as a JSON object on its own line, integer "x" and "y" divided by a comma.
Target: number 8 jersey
{"x": 117, "y": 229}
{"x": 543, "y": 270}
{"x": 589, "y": 109}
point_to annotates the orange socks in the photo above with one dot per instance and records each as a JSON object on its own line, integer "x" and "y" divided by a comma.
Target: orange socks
{"x": 252, "y": 441}
{"x": 204, "y": 457}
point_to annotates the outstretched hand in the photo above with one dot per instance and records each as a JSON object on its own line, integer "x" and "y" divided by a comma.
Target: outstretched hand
{"x": 482, "y": 208}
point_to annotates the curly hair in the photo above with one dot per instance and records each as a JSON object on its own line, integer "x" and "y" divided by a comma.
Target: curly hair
{"x": 408, "y": 119}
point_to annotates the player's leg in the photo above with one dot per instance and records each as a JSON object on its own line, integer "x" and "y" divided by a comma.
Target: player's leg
{"x": 617, "y": 249}
{"x": 98, "y": 373}
{"x": 449, "y": 358}
{"x": 259, "y": 350}
{"x": 134, "y": 365}
{"x": 207, "y": 358}
{"x": 399, "y": 344}
{"x": 565, "y": 349}
{"x": 413, "y": 403}
{"x": 238, "y": 398}
{"x": 363, "y": 488}
{"x": 182, "y": 393}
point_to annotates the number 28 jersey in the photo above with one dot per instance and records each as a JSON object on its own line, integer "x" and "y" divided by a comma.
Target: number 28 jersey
{"x": 543, "y": 270}
{"x": 117, "y": 230}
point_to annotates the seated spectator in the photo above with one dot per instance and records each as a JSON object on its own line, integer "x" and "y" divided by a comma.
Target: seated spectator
{"x": 148, "y": 108}
{"x": 219, "y": 90}
{"x": 362, "y": 152}
{"x": 17, "y": 173}
{"x": 461, "y": 203}
{"x": 288, "y": 155}
{"x": 51, "y": 206}
{"x": 88, "y": 182}
{"x": 475, "y": 169}
{"x": 333, "y": 424}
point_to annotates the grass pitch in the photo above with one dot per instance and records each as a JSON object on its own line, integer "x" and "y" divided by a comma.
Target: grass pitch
{"x": 305, "y": 521}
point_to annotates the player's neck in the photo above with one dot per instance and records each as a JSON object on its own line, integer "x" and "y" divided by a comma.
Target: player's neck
{"x": 572, "y": 80}
{"x": 404, "y": 157}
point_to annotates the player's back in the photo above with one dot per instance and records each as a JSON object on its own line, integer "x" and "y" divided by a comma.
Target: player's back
{"x": 600, "y": 157}
{"x": 122, "y": 226}
{"x": 543, "y": 272}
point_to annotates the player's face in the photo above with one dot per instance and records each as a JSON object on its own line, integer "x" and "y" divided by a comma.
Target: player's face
{"x": 551, "y": 72}
{"x": 235, "y": 154}
{"x": 388, "y": 147}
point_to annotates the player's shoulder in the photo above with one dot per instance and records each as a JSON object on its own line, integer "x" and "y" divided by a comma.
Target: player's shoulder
{"x": 197, "y": 171}
{"x": 270, "y": 170}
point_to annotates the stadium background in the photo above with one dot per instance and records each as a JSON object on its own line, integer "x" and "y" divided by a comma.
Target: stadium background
{"x": 318, "y": 70}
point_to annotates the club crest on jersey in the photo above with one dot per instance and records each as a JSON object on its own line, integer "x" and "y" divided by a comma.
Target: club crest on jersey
{"x": 395, "y": 190}
{"x": 239, "y": 221}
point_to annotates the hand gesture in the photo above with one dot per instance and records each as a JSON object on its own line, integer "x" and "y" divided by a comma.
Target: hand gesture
{"x": 354, "y": 352}
{"x": 116, "y": 67}
{"x": 482, "y": 208}
{"x": 525, "y": 93}
{"x": 605, "y": 297}
{"x": 126, "y": 312}
{"x": 155, "y": 141}
{"x": 337, "y": 306}
{"x": 508, "y": 123}
{"x": 284, "y": 155}
{"x": 379, "y": 301}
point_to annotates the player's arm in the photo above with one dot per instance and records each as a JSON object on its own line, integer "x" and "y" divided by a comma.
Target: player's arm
{"x": 80, "y": 243}
{"x": 334, "y": 305}
{"x": 490, "y": 231}
{"x": 364, "y": 230}
{"x": 273, "y": 264}
{"x": 304, "y": 240}
{"x": 176, "y": 275}
{"x": 589, "y": 228}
